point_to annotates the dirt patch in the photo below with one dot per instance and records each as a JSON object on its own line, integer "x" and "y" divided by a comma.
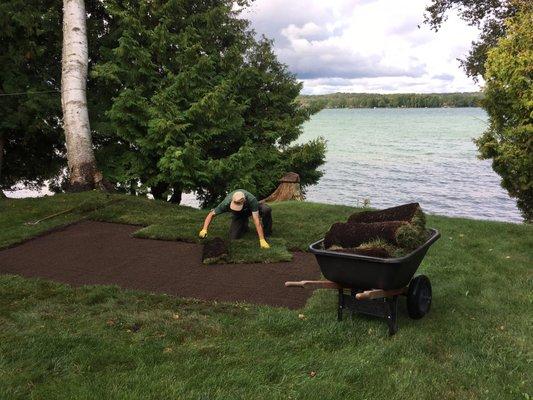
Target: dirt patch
{"x": 99, "y": 253}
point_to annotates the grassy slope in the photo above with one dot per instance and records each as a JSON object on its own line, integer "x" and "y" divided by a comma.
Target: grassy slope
{"x": 15, "y": 213}
{"x": 58, "y": 342}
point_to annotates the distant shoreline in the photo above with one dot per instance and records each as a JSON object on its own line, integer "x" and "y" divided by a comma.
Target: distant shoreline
{"x": 393, "y": 108}
{"x": 315, "y": 103}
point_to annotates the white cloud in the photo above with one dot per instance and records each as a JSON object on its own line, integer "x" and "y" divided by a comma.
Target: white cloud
{"x": 365, "y": 46}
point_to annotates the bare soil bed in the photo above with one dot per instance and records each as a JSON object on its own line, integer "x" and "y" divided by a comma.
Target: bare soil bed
{"x": 99, "y": 253}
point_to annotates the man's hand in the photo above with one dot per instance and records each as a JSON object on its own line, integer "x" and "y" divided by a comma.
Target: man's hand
{"x": 203, "y": 234}
{"x": 263, "y": 243}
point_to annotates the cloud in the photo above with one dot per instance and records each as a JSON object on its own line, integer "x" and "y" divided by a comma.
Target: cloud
{"x": 313, "y": 54}
{"x": 444, "y": 77}
{"x": 371, "y": 45}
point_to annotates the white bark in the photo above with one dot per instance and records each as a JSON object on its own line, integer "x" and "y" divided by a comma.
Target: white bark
{"x": 80, "y": 155}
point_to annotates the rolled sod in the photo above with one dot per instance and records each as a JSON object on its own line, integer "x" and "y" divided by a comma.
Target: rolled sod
{"x": 215, "y": 251}
{"x": 385, "y": 233}
{"x": 351, "y": 235}
{"x": 411, "y": 213}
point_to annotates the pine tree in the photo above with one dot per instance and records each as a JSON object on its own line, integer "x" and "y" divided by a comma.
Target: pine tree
{"x": 199, "y": 104}
{"x": 31, "y": 143}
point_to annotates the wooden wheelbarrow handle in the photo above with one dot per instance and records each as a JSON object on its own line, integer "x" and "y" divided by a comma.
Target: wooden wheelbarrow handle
{"x": 366, "y": 295}
{"x": 378, "y": 293}
{"x": 316, "y": 284}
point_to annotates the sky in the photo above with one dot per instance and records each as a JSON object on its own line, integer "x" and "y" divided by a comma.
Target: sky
{"x": 373, "y": 46}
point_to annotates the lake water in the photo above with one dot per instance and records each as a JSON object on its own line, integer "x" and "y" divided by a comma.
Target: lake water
{"x": 395, "y": 156}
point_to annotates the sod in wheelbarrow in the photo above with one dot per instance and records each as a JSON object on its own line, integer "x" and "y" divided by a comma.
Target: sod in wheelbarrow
{"x": 392, "y": 232}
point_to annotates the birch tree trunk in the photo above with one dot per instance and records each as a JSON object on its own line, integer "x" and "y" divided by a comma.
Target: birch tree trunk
{"x": 80, "y": 155}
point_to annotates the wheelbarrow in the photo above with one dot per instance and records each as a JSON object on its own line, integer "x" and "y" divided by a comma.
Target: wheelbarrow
{"x": 372, "y": 285}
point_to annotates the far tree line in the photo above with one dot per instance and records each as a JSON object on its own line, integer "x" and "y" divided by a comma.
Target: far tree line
{"x": 394, "y": 100}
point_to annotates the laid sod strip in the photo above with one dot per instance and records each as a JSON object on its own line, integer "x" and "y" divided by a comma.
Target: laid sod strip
{"x": 217, "y": 251}
{"x": 168, "y": 232}
{"x": 247, "y": 250}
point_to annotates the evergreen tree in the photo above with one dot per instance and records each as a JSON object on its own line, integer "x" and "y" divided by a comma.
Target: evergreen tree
{"x": 199, "y": 104}
{"x": 31, "y": 143}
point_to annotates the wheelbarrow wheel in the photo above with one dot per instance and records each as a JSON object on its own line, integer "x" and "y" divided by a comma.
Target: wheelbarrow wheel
{"x": 419, "y": 297}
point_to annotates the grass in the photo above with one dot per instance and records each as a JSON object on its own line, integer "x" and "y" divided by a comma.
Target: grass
{"x": 58, "y": 342}
{"x": 15, "y": 213}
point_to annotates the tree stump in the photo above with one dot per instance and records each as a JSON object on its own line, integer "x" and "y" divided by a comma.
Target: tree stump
{"x": 288, "y": 189}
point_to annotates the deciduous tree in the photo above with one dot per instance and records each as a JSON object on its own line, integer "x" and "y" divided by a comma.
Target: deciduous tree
{"x": 489, "y": 15}
{"x": 82, "y": 169}
{"x": 509, "y": 103}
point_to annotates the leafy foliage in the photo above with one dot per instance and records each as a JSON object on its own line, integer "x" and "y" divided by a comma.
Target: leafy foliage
{"x": 489, "y": 15}
{"x": 199, "y": 104}
{"x": 509, "y": 103}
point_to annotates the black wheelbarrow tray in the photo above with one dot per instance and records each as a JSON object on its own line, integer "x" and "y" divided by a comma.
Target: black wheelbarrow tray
{"x": 374, "y": 283}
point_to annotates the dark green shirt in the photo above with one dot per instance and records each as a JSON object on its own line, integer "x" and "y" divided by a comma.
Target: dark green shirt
{"x": 250, "y": 204}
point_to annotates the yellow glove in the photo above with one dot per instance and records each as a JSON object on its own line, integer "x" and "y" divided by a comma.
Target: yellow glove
{"x": 263, "y": 243}
{"x": 203, "y": 233}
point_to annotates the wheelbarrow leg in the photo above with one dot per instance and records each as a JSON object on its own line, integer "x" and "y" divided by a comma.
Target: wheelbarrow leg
{"x": 392, "y": 317}
{"x": 341, "y": 305}
{"x": 353, "y": 302}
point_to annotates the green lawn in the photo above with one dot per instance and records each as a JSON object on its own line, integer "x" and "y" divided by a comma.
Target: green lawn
{"x": 58, "y": 342}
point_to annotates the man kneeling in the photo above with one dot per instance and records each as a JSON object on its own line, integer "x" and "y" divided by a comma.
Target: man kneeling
{"x": 242, "y": 204}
